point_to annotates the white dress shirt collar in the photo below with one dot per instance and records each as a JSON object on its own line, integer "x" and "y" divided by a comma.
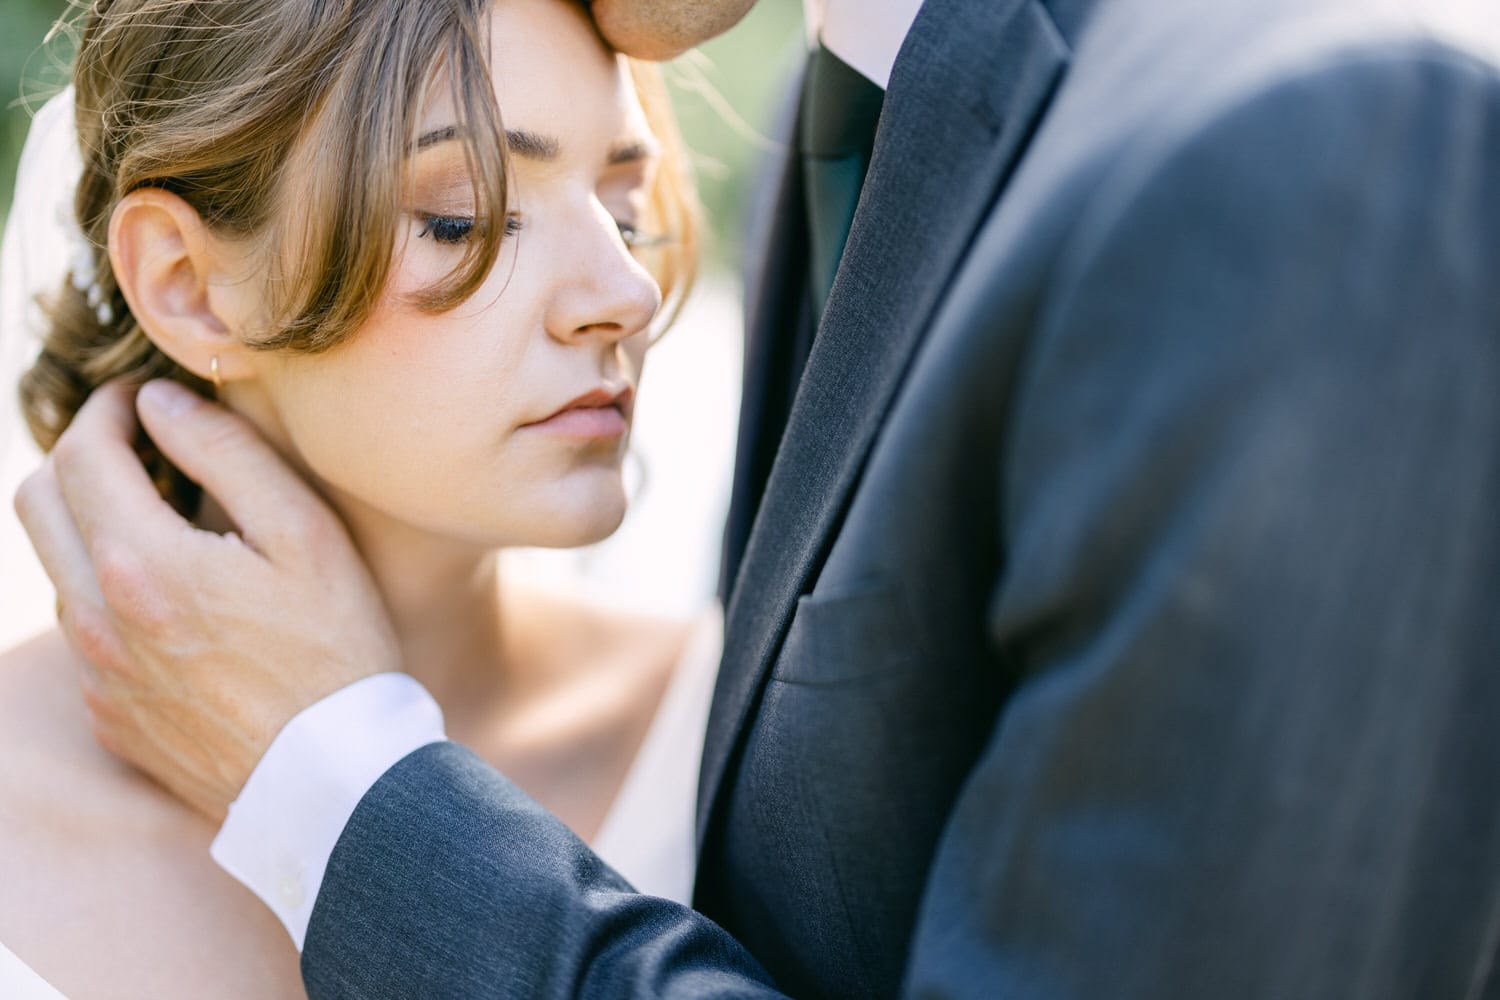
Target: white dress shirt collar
{"x": 866, "y": 34}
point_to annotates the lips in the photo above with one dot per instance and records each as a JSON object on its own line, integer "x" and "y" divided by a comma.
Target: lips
{"x": 598, "y": 413}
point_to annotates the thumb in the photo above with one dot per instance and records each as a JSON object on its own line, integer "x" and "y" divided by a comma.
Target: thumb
{"x": 273, "y": 508}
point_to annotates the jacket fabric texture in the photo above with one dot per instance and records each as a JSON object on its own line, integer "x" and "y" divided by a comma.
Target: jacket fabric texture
{"x": 1118, "y": 613}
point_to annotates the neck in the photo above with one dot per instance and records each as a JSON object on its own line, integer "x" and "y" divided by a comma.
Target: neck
{"x": 443, "y": 599}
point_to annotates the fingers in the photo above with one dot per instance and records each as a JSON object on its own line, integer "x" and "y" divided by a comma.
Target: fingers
{"x": 81, "y": 608}
{"x": 124, "y": 523}
{"x": 58, "y": 542}
{"x": 103, "y": 483}
{"x": 274, "y": 510}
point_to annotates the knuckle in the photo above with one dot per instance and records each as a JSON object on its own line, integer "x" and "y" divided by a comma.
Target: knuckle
{"x": 121, "y": 574}
{"x": 133, "y": 590}
{"x": 94, "y": 638}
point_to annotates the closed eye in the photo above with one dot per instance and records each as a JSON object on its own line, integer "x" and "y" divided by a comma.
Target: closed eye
{"x": 454, "y": 229}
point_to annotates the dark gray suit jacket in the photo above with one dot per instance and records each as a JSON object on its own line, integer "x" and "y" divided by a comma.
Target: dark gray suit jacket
{"x": 1122, "y": 614}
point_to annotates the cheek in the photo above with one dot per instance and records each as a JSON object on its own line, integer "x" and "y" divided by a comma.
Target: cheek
{"x": 400, "y": 406}
{"x": 407, "y": 370}
{"x": 414, "y": 418}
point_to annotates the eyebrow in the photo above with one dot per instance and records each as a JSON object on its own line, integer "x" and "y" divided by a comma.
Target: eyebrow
{"x": 532, "y": 146}
{"x": 436, "y": 136}
{"x": 632, "y": 151}
{"x": 544, "y": 148}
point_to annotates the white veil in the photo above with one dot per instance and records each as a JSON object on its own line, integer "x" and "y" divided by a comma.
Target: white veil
{"x": 40, "y": 237}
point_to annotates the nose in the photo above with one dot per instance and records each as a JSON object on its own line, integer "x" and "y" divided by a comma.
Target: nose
{"x": 606, "y": 292}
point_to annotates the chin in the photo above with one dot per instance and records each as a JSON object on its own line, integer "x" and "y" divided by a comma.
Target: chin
{"x": 583, "y": 521}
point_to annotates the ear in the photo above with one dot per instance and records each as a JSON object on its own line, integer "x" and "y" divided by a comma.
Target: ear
{"x": 184, "y": 285}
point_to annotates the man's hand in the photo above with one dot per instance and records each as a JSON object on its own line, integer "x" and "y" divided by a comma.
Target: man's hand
{"x": 200, "y": 646}
{"x": 661, "y": 29}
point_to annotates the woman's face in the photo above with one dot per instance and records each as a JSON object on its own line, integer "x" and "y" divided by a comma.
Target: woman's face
{"x": 503, "y": 421}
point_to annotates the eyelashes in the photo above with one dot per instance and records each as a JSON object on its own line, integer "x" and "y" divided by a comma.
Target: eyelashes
{"x": 452, "y": 230}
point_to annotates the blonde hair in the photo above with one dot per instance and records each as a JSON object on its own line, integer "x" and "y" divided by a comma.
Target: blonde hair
{"x": 212, "y": 100}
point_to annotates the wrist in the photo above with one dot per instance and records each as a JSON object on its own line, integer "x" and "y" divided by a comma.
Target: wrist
{"x": 280, "y": 832}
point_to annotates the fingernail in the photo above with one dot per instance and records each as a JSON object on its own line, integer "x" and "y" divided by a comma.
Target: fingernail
{"x": 167, "y": 398}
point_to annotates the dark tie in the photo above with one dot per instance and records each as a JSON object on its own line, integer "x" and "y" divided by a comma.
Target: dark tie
{"x": 837, "y": 113}
{"x": 840, "y": 109}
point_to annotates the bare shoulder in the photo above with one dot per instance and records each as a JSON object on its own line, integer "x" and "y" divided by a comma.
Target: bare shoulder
{"x": 20, "y": 663}
{"x": 576, "y": 637}
{"x": 657, "y": 643}
{"x": 39, "y": 693}
{"x": 97, "y": 860}
{"x": 44, "y": 728}
{"x": 593, "y": 681}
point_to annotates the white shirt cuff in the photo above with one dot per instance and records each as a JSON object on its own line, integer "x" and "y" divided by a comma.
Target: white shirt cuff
{"x": 281, "y": 831}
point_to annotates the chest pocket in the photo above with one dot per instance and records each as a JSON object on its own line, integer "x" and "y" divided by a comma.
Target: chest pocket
{"x": 848, "y": 636}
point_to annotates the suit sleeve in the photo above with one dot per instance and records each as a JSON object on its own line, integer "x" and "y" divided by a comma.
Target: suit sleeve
{"x": 1252, "y": 509}
{"x": 451, "y": 882}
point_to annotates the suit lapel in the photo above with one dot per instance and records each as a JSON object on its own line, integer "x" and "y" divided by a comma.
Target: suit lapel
{"x": 965, "y": 95}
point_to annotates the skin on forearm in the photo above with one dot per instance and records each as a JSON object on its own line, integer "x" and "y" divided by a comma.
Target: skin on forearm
{"x": 661, "y": 29}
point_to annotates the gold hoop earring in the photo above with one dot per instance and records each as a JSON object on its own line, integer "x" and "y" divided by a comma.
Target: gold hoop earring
{"x": 213, "y": 373}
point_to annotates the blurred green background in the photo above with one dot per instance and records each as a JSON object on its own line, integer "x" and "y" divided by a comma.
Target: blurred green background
{"x": 726, "y": 97}
{"x": 23, "y": 26}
